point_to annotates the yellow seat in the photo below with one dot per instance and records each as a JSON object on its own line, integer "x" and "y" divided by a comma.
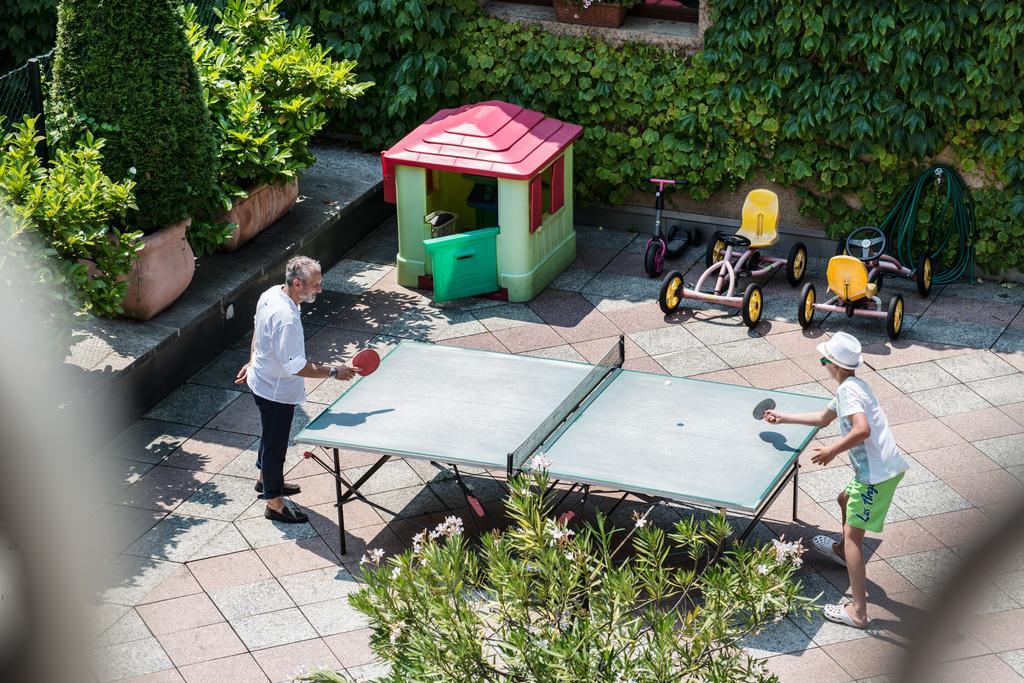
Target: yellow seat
{"x": 848, "y": 278}
{"x": 760, "y": 218}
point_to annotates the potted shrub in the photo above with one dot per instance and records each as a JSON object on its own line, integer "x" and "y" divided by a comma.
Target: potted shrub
{"x": 150, "y": 110}
{"x": 268, "y": 89}
{"x": 76, "y": 210}
{"x": 545, "y": 602}
{"x": 607, "y": 13}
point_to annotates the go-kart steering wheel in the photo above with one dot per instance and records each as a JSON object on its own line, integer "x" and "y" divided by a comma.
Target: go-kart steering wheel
{"x": 733, "y": 240}
{"x": 866, "y": 243}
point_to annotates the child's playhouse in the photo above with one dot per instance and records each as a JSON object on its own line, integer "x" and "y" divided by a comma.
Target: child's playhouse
{"x": 484, "y": 201}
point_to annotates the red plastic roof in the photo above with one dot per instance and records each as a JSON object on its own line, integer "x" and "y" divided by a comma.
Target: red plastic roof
{"x": 493, "y": 138}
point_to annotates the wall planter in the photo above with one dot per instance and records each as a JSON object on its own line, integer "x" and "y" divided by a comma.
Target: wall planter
{"x": 161, "y": 273}
{"x": 258, "y": 211}
{"x": 606, "y": 14}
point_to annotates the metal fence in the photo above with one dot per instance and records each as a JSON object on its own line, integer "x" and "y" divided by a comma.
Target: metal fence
{"x": 16, "y": 100}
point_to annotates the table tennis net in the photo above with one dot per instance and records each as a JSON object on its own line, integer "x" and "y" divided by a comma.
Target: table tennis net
{"x": 600, "y": 372}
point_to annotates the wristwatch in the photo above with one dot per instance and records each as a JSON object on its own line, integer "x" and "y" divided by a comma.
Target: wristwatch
{"x": 333, "y": 373}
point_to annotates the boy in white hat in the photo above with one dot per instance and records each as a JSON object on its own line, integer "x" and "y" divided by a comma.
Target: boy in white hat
{"x": 877, "y": 463}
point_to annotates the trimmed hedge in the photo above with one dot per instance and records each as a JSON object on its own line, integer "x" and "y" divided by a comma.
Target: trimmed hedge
{"x": 846, "y": 103}
{"x": 123, "y": 70}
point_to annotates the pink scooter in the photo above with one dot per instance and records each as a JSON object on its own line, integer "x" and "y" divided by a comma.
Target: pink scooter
{"x": 662, "y": 246}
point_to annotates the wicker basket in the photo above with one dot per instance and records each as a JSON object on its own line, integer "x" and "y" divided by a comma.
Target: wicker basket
{"x": 606, "y": 14}
{"x": 442, "y": 223}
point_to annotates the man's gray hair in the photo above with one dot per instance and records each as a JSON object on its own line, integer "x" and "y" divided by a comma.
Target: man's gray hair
{"x": 300, "y": 268}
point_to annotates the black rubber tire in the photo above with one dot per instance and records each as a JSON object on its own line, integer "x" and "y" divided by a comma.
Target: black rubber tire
{"x": 894, "y": 318}
{"x": 796, "y": 264}
{"x": 804, "y": 316}
{"x": 841, "y": 245}
{"x": 663, "y": 296}
{"x": 711, "y": 249}
{"x": 651, "y": 259}
{"x": 752, "y": 293}
{"x": 924, "y": 275}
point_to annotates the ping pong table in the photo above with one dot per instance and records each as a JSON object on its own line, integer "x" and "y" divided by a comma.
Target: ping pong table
{"x": 659, "y": 437}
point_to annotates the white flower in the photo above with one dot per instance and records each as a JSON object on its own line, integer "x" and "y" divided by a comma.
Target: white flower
{"x": 396, "y": 631}
{"x": 395, "y": 572}
{"x": 788, "y": 551}
{"x": 641, "y": 520}
{"x": 539, "y": 462}
{"x": 132, "y": 170}
{"x": 373, "y": 556}
{"x": 418, "y": 540}
{"x": 558, "y": 533}
{"x": 762, "y": 569}
{"x": 571, "y": 556}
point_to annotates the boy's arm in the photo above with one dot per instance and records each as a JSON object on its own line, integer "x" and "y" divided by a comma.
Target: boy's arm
{"x": 860, "y": 430}
{"x": 818, "y": 419}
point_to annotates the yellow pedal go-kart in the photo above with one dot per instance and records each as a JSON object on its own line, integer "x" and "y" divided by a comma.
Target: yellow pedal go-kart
{"x": 854, "y": 295}
{"x": 729, "y": 257}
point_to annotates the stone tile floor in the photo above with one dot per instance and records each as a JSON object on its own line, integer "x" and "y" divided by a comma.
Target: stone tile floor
{"x": 204, "y": 589}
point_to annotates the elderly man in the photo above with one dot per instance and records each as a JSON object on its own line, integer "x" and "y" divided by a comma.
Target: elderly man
{"x": 275, "y": 371}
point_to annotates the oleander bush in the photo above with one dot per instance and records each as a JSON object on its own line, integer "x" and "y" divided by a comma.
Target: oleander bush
{"x": 542, "y": 602}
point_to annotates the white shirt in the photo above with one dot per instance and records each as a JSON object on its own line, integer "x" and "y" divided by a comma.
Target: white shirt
{"x": 877, "y": 458}
{"x": 279, "y": 350}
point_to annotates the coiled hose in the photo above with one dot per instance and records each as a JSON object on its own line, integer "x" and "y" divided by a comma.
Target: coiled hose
{"x": 952, "y": 227}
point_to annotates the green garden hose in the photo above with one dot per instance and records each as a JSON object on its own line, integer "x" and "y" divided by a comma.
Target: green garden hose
{"x": 952, "y": 225}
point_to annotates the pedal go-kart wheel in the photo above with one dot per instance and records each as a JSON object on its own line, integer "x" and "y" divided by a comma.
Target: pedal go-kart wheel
{"x": 841, "y": 245}
{"x": 796, "y": 264}
{"x": 653, "y": 264}
{"x": 805, "y": 314}
{"x": 671, "y": 292}
{"x": 894, "y": 320}
{"x": 715, "y": 249}
{"x": 753, "y": 305}
{"x": 924, "y": 275}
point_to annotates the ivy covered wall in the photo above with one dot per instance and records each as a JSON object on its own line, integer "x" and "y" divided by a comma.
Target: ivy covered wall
{"x": 846, "y": 103}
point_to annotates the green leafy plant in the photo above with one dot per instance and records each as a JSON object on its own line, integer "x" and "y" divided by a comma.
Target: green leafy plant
{"x": 123, "y": 70}
{"x": 77, "y": 210}
{"x": 846, "y": 104}
{"x": 27, "y": 29}
{"x": 540, "y": 602}
{"x": 268, "y": 90}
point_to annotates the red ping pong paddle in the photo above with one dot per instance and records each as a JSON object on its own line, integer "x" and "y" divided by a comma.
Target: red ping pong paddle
{"x": 366, "y": 361}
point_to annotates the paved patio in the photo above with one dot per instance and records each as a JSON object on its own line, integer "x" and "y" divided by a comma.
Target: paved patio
{"x": 205, "y": 589}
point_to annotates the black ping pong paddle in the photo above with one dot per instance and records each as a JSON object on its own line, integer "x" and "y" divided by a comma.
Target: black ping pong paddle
{"x": 761, "y": 407}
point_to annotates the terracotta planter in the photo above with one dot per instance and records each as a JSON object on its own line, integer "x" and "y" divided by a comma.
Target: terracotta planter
{"x": 259, "y": 210}
{"x": 161, "y": 273}
{"x": 606, "y": 14}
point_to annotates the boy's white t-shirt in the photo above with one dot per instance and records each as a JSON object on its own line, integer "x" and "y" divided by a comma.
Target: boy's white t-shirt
{"x": 877, "y": 458}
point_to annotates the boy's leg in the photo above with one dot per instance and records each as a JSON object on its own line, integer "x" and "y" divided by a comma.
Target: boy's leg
{"x": 842, "y": 499}
{"x": 853, "y": 539}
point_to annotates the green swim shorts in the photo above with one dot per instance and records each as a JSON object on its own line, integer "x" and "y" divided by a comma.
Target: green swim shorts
{"x": 869, "y": 503}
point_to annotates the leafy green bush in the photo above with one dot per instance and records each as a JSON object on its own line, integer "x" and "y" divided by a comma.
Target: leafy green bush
{"x": 122, "y": 69}
{"x": 78, "y": 212}
{"x": 539, "y": 602}
{"x": 268, "y": 90}
{"x": 844, "y": 103}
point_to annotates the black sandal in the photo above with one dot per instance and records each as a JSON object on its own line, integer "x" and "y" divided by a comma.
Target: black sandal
{"x": 288, "y": 515}
{"x": 286, "y": 490}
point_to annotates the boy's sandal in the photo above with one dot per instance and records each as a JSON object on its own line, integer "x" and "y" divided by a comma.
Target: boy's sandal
{"x": 838, "y": 614}
{"x": 825, "y": 545}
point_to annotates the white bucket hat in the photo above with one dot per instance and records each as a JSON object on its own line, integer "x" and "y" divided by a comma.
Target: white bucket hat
{"x": 843, "y": 350}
